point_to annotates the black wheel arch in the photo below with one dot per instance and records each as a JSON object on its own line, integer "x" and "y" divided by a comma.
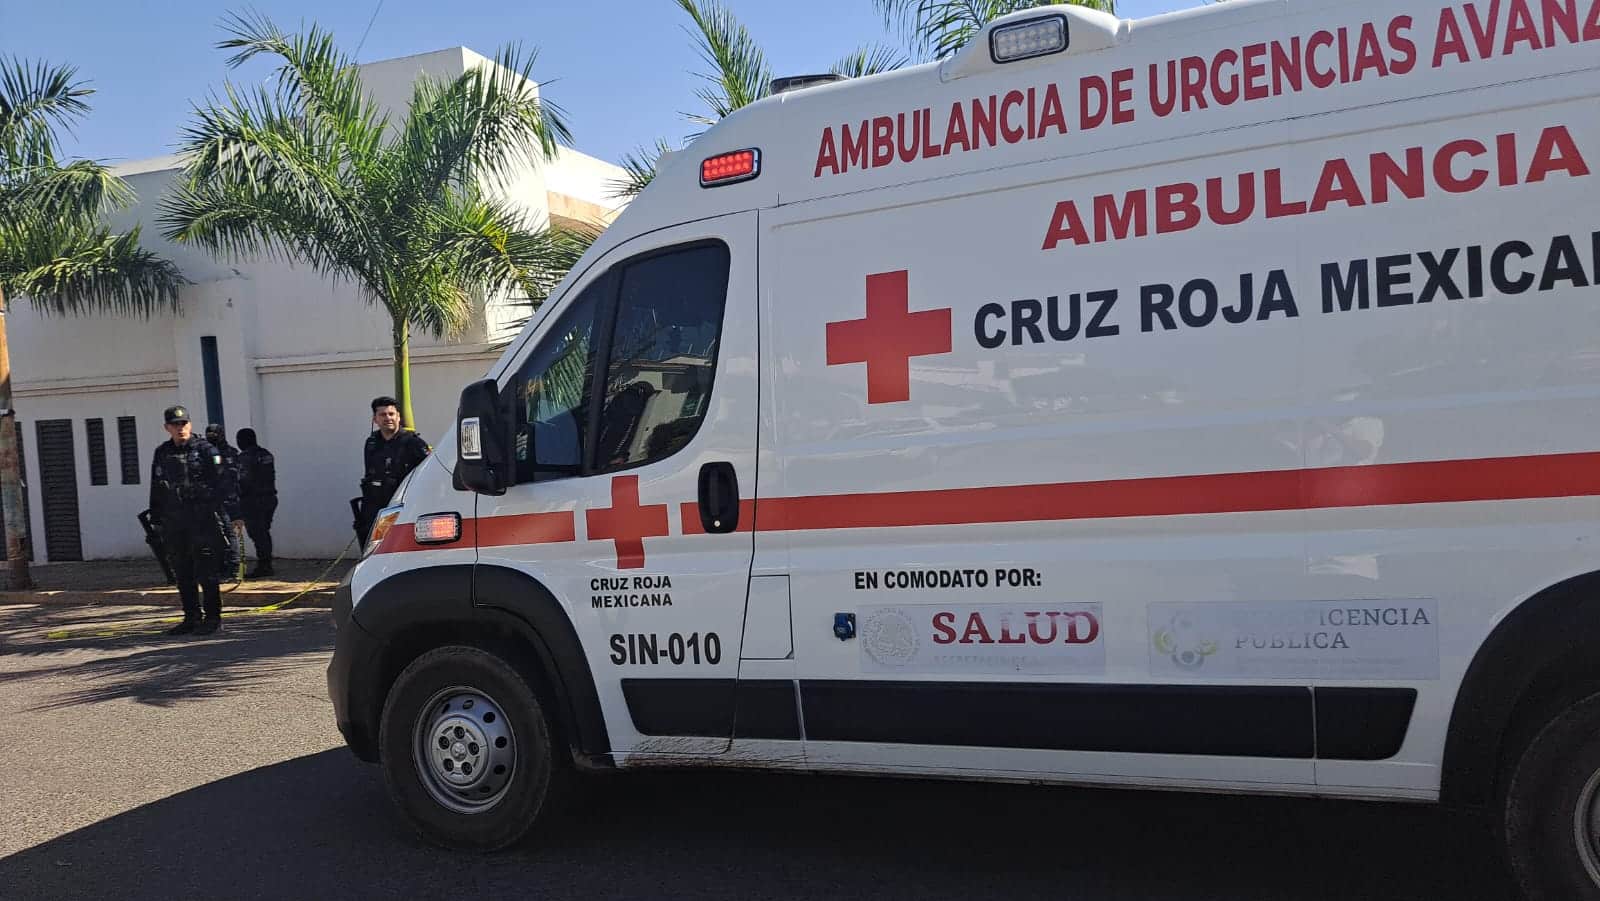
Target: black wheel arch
{"x": 495, "y": 608}
{"x": 1538, "y": 660}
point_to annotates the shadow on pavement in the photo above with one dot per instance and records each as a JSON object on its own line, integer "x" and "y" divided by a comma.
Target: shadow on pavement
{"x": 158, "y": 670}
{"x": 321, "y": 827}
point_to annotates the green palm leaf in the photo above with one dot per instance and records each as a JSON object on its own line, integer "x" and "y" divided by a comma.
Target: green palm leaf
{"x": 310, "y": 169}
{"x": 869, "y": 60}
{"x": 639, "y": 169}
{"x": 738, "y": 76}
{"x": 66, "y": 267}
{"x": 55, "y": 251}
{"x": 739, "y": 73}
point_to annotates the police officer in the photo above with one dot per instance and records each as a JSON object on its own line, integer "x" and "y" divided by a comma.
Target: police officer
{"x": 258, "y": 498}
{"x": 390, "y": 454}
{"x": 194, "y": 502}
{"x": 217, "y": 437}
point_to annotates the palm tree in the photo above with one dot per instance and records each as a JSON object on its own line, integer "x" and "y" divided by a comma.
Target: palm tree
{"x": 941, "y": 27}
{"x": 313, "y": 171}
{"x": 739, "y": 76}
{"x": 54, "y": 248}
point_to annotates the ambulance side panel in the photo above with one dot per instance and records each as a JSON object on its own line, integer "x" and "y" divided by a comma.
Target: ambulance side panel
{"x": 1110, "y": 402}
{"x": 1473, "y": 377}
{"x": 1263, "y": 533}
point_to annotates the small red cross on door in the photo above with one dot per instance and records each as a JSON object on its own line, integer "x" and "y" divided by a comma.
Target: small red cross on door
{"x": 889, "y": 337}
{"x": 627, "y": 523}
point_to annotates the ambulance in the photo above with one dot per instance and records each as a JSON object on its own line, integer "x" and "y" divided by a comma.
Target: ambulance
{"x": 1208, "y": 401}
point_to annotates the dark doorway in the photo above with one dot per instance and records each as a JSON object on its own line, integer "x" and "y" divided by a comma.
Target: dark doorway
{"x": 213, "y": 375}
{"x": 58, "y": 489}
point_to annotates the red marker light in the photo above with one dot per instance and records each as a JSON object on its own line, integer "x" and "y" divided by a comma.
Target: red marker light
{"x": 727, "y": 168}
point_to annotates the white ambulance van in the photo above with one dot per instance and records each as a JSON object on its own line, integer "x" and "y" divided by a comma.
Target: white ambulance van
{"x": 1208, "y": 401}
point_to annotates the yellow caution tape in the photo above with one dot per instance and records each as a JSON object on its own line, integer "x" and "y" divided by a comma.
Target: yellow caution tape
{"x": 140, "y": 627}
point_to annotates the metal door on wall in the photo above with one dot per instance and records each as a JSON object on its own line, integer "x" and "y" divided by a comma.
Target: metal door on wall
{"x": 58, "y": 489}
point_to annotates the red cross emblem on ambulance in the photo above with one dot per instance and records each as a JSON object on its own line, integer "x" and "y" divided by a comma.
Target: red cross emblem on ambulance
{"x": 889, "y": 337}
{"x": 626, "y": 522}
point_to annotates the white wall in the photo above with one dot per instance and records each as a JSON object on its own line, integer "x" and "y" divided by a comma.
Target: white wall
{"x": 106, "y": 513}
{"x": 51, "y": 348}
{"x": 301, "y": 357}
{"x": 390, "y": 82}
{"x": 584, "y": 177}
{"x": 319, "y": 420}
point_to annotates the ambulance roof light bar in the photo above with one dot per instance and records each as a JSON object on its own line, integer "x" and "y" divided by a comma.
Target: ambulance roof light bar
{"x": 1028, "y": 39}
{"x": 730, "y": 168}
{"x": 1033, "y": 36}
{"x": 798, "y": 82}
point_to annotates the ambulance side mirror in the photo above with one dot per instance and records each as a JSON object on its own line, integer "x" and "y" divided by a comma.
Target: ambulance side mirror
{"x": 483, "y": 459}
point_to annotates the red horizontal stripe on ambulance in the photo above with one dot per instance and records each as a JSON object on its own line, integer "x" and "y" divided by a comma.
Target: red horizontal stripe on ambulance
{"x": 527, "y": 528}
{"x": 1445, "y": 481}
{"x": 691, "y": 518}
{"x": 400, "y": 538}
{"x": 1388, "y": 484}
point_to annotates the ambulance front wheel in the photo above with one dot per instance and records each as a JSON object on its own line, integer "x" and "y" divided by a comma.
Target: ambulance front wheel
{"x": 468, "y": 752}
{"x": 1552, "y": 808}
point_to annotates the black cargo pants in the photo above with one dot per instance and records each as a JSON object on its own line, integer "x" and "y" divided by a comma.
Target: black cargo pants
{"x": 194, "y": 548}
{"x": 258, "y": 524}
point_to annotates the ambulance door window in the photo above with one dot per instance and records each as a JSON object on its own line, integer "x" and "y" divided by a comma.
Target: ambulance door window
{"x": 552, "y": 394}
{"x": 663, "y": 354}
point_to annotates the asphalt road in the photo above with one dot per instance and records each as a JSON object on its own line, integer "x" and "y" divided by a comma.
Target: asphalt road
{"x": 137, "y": 767}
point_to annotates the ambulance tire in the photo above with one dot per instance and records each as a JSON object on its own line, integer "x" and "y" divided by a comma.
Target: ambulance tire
{"x": 538, "y": 775}
{"x": 1552, "y": 807}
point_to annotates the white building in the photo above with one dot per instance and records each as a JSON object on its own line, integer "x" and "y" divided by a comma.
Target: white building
{"x": 262, "y": 345}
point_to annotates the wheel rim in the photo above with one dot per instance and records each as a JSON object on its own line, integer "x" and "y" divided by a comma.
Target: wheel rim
{"x": 1586, "y": 827}
{"x": 464, "y": 750}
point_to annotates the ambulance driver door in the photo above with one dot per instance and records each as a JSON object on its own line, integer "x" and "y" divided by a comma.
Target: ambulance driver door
{"x": 634, "y": 435}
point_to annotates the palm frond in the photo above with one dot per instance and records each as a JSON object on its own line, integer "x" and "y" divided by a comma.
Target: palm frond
{"x": 488, "y": 122}
{"x": 740, "y": 75}
{"x": 65, "y": 268}
{"x": 54, "y": 251}
{"x": 37, "y": 99}
{"x": 243, "y": 221}
{"x": 315, "y": 80}
{"x": 263, "y": 181}
{"x": 306, "y": 170}
{"x": 82, "y": 189}
{"x": 869, "y": 60}
{"x": 639, "y": 169}
{"x": 546, "y": 256}
{"x": 493, "y": 248}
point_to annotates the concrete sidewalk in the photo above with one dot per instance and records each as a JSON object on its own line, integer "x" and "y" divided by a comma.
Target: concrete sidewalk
{"x": 303, "y": 583}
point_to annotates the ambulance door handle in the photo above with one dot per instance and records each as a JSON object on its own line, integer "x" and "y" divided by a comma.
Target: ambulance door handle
{"x": 719, "y": 497}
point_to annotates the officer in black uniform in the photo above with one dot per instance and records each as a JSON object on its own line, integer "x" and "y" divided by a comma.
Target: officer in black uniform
{"x": 258, "y": 498}
{"x": 390, "y": 454}
{"x": 217, "y": 437}
{"x": 194, "y": 502}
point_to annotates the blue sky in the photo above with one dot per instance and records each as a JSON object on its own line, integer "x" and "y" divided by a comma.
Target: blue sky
{"x": 623, "y": 70}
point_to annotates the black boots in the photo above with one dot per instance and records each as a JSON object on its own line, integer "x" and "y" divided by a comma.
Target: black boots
{"x": 194, "y": 626}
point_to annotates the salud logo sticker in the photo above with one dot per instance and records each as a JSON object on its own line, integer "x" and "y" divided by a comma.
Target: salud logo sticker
{"x": 1002, "y": 639}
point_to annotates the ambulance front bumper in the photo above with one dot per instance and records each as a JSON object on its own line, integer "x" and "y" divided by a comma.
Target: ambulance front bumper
{"x": 351, "y": 675}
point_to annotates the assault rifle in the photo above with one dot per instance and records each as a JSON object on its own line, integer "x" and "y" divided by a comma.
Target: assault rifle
{"x": 152, "y": 537}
